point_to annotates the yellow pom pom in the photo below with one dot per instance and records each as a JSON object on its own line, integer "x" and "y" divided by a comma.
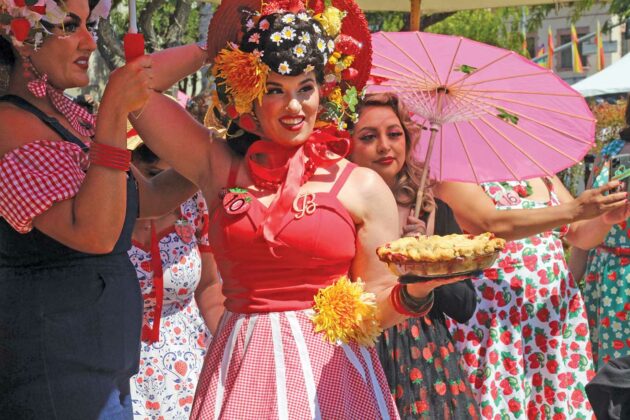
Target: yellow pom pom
{"x": 330, "y": 20}
{"x": 244, "y": 74}
{"x": 345, "y": 312}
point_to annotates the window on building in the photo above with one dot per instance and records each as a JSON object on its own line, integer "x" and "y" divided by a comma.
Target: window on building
{"x": 566, "y": 59}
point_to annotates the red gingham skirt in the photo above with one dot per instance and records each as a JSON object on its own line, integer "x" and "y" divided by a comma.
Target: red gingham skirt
{"x": 274, "y": 366}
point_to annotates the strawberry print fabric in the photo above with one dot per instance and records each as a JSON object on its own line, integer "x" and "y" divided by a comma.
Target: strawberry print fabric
{"x": 607, "y": 285}
{"x": 165, "y": 384}
{"x": 526, "y": 350}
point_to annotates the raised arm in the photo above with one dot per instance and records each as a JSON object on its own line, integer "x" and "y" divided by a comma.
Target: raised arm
{"x": 92, "y": 220}
{"x": 177, "y": 138}
{"x": 173, "y": 64}
{"x": 476, "y": 213}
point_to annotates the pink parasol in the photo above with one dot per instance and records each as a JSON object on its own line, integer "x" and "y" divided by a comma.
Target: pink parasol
{"x": 488, "y": 114}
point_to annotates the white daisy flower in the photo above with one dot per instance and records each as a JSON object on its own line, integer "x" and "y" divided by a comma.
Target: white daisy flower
{"x": 284, "y": 68}
{"x": 305, "y": 37}
{"x": 321, "y": 45}
{"x": 255, "y": 38}
{"x": 299, "y": 50}
{"x": 288, "y": 18}
{"x": 302, "y": 16}
{"x": 331, "y": 46}
{"x": 263, "y": 24}
{"x": 317, "y": 29}
{"x": 276, "y": 37}
{"x": 288, "y": 33}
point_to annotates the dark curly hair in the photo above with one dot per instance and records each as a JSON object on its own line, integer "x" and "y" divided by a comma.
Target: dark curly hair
{"x": 308, "y": 36}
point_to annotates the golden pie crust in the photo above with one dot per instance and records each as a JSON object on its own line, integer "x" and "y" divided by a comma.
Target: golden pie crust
{"x": 441, "y": 255}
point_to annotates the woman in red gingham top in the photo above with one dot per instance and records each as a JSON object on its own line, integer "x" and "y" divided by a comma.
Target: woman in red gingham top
{"x": 70, "y": 306}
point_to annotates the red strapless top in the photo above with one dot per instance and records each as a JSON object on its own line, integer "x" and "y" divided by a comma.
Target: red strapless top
{"x": 319, "y": 244}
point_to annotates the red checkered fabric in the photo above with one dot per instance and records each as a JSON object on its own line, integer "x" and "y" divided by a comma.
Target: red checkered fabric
{"x": 274, "y": 366}
{"x": 35, "y": 176}
{"x": 80, "y": 119}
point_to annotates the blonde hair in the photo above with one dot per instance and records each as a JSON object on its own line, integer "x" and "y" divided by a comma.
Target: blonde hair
{"x": 408, "y": 179}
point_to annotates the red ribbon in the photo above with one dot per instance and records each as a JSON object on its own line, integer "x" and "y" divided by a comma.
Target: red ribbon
{"x": 323, "y": 148}
{"x": 152, "y": 334}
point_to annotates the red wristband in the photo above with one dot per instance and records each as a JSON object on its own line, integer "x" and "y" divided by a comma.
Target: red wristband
{"x": 110, "y": 156}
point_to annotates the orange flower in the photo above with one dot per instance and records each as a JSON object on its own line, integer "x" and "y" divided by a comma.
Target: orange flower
{"x": 244, "y": 74}
{"x": 345, "y": 312}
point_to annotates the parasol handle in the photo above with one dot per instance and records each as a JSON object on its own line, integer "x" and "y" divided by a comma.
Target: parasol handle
{"x": 425, "y": 171}
{"x": 133, "y": 41}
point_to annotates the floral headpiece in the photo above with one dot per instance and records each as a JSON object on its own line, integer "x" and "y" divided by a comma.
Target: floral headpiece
{"x": 29, "y": 21}
{"x": 286, "y": 37}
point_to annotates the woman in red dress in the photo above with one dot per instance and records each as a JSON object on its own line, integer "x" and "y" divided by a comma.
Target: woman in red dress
{"x": 291, "y": 218}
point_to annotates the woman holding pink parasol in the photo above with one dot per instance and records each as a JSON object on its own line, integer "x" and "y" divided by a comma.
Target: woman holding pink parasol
{"x": 422, "y": 366}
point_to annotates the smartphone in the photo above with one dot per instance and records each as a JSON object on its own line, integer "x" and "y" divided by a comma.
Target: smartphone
{"x": 620, "y": 170}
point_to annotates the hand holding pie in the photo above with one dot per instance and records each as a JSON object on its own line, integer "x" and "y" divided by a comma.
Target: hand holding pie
{"x": 441, "y": 256}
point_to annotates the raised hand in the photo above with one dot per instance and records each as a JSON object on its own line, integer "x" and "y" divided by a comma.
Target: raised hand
{"x": 593, "y": 203}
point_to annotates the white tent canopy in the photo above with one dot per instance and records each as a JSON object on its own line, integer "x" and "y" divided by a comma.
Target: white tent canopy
{"x": 613, "y": 79}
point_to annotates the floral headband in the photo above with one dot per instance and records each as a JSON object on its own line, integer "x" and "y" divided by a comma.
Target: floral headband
{"x": 311, "y": 40}
{"x": 30, "y": 21}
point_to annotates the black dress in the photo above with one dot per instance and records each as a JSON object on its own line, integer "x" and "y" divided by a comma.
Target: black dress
{"x": 422, "y": 366}
{"x": 69, "y": 321}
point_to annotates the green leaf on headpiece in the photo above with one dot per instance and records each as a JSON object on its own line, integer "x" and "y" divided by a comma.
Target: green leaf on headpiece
{"x": 351, "y": 98}
{"x": 237, "y": 190}
{"x": 5, "y": 19}
{"x": 507, "y": 117}
{"x": 465, "y": 68}
{"x": 30, "y": 2}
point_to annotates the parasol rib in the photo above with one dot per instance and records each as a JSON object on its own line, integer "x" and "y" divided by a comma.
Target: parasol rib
{"x": 498, "y": 79}
{"x": 520, "y": 149}
{"x": 428, "y": 75}
{"x": 477, "y": 71}
{"x": 543, "y": 142}
{"x": 450, "y": 69}
{"x": 426, "y": 51}
{"x": 527, "y": 92}
{"x": 461, "y": 140}
{"x": 543, "y": 108}
{"x": 525, "y": 117}
{"x": 496, "y": 152}
{"x": 406, "y": 80}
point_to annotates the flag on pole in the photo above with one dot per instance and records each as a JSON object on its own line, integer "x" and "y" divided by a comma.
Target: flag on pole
{"x": 551, "y": 48}
{"x": 601, "y": 63}
{"x": 575, "y": 52}
{"x": 539, "y": 53}
{"x": 524, "y": 45}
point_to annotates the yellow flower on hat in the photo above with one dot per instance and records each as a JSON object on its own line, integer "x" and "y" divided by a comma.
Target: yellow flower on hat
{"x": 345, "y": 312}
{"x": 244, "y": 75}
{"x": 330, "y": 20}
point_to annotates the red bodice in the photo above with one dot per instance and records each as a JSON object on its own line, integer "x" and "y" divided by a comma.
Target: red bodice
{"x": 318, "y": 237}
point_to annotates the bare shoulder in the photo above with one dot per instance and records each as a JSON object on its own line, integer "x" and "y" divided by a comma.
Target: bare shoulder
{"x": 365, "y": 193}
{"x": 20, "y": 127}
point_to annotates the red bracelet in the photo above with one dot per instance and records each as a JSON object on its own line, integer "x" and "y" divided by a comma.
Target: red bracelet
{"x": 110, "y": 156}
{"x": 396, "y": 297}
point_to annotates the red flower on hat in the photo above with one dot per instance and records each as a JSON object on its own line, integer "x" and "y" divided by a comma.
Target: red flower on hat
{"x": 20, "y": 28}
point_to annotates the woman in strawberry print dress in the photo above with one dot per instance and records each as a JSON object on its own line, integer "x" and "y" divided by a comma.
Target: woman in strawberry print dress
{"x": 526, "y": 349}
{"x": 607, "y": 274}
{"x": 174, "y": 342}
